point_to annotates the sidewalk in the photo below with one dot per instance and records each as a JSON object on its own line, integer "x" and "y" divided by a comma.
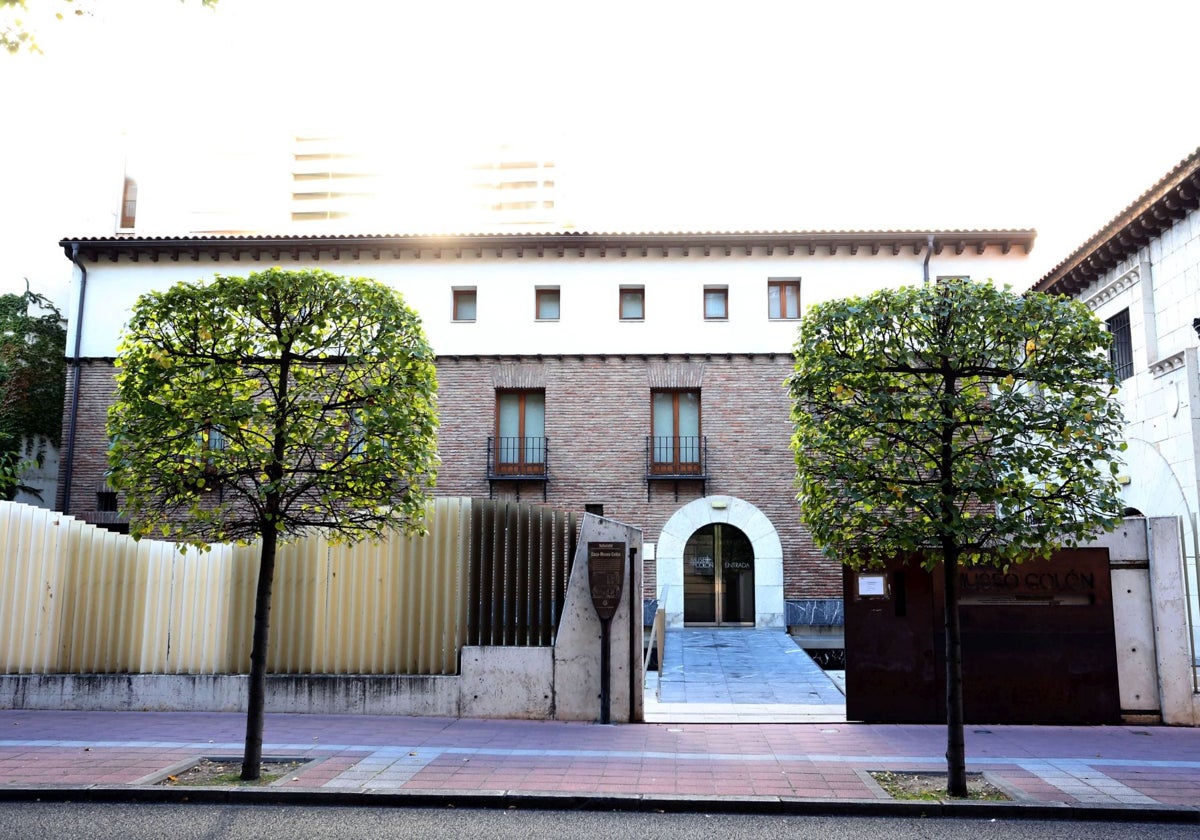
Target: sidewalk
{"x": 1135, "y": 772}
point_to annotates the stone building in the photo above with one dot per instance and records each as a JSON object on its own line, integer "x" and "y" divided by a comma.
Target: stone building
{"x": 1140, "y": 274}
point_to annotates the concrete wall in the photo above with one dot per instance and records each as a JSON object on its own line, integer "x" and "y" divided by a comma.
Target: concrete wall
{"x": 1154, "y": 656}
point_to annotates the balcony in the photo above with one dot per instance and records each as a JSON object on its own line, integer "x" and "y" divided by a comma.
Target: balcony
{"x": 518, "y": 460}
{"x": 676, "y": 459}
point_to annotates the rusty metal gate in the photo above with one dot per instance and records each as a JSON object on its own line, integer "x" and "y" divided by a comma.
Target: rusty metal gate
{"x": 1037, "y": 643}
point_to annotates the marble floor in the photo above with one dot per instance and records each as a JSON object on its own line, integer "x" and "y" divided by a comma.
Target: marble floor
{"x": 740, "y": 675}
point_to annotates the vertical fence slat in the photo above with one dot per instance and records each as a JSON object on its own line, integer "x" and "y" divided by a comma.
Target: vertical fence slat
{"x": 80, "y": 599}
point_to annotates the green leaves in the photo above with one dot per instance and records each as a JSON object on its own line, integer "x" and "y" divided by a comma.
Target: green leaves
{"x": 295, "y": 398}
{"x": 954, "y": 414}
{"x": 32, "y": 378}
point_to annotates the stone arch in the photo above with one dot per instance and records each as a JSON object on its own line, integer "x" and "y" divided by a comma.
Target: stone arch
{"x": 768, "y": 556}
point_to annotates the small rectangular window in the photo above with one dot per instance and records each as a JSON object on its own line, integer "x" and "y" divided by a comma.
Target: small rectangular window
{"x": 716, "y": 303}
{"x": 783, "y": 298}
{"x": 1120, "y": 352}
{"x": 547, "y": 304}
{"x": 129, "y": 205}
{"x": 633, "y": 303}
{"x": 594, "y": 508}
{"x": 464, "y": 304}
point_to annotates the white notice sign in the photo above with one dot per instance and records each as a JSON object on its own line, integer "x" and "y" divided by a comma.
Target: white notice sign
{"x": 871, "y": 585}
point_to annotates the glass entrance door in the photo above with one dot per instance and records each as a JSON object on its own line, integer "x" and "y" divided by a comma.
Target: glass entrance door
{"x": 718, "y": 577}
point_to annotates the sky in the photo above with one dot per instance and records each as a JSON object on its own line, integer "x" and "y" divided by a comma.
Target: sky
{"x": 753, "y": 115}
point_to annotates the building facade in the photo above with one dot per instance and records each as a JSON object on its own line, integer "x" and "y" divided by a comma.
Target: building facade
{"x": 1140, "y": 274}
{"x": 637, "y": 376}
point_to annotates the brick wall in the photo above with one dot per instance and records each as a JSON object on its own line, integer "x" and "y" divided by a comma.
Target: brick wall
{"x": 597, "y": 421}
{"x": 90, "y": 463}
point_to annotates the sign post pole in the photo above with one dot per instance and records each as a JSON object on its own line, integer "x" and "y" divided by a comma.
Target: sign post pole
{"x": 606, "y": 578}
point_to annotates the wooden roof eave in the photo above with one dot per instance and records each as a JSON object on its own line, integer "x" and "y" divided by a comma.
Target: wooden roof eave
{"x": 539, "y": 244}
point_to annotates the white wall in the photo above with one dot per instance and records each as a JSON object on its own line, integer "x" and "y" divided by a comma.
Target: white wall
{"x": 589, "y": 289}
{"x": 1161, "y": 288}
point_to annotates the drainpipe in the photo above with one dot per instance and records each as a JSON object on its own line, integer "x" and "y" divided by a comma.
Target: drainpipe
{"x": 73, "y": 416}
{"x": 928, "y": 254}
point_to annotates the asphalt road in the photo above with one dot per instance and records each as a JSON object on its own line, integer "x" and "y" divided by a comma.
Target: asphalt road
{"x": 61, "y": 821}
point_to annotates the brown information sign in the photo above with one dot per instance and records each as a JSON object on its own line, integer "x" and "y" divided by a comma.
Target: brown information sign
{"x": 606, "y": 574}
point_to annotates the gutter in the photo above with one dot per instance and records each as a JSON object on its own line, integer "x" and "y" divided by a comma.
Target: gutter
{"x": 928, "y": 254}
{"x": 73, "y": 416}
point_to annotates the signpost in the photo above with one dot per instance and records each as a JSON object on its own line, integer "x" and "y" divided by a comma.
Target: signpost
{"x": 606, "y": 576}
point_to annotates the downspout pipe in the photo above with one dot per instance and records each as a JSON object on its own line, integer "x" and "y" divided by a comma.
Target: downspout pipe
{"x": 928, "y": 254}
{"x": 76, "y": 374}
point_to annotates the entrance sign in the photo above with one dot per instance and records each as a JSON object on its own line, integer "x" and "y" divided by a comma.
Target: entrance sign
{"x": 606, "y": 576}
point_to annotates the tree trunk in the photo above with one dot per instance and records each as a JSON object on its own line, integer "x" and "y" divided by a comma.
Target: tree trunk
{"x": 956, "y": 754}
{"x": 252, "y": 758}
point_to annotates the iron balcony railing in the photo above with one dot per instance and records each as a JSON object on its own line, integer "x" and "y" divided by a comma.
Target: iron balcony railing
{"x": 676, "y": 457}
{"x": 525, "y": 458}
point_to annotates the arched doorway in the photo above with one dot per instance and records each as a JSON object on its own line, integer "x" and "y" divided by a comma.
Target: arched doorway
{"x": 718, "y": 577}
{"x": 766, "y": 555}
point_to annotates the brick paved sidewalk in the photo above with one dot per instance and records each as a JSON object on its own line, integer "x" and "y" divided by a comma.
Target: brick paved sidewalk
{"x": 1107, "y": 767}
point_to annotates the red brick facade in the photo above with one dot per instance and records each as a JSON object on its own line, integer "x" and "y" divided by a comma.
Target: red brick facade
{"x": 597, "y": 422}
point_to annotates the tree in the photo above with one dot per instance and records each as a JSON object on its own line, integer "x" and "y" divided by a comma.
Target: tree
{"x": 958, "y": 423}
{"x": 16, "y": 33}
{"x": 267, "y": 406}
{"x": 32, "y": 380}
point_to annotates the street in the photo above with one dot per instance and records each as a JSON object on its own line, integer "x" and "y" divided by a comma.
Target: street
{"x": 35, "y": 820}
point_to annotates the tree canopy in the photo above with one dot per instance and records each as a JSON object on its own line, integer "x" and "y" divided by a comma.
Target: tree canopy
{"x": 269, "y": 405}
{"x": 955, "y": 423}
{"x": 32, "y": 379}
{"x": 16, "y": 32}
{"x": 297, "y": 398}
{"x": 957, "y": 411}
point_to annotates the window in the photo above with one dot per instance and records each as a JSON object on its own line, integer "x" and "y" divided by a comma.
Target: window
{"x": 783, "y": 299}
{"x": 633, "y": 303}
{"x": 675, "y": 431}
{"x": 106, "y": 499}
{"x": 1120, "y": 352}
{"x": 129, "y": 204}
{"x": 594, "y": 508}
{"x": 520, "y": 432}
{"x": 547, "y": 304}
{"x": 464, "y": 304}
{"x": 716, "y": 303}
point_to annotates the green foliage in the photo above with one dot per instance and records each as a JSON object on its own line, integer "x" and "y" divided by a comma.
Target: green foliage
{"x": 286, "y": 400}
{"x": 16, "y": 33}
{"x": 954, "y": 417}
{"x": 32, "y": 379}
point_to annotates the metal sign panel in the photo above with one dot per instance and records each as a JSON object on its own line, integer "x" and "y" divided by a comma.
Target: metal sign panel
{"x": 606, "y": 575}
{"x": 1038, "y": 645}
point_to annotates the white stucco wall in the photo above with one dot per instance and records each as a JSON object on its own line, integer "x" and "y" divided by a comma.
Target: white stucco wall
{"x": 589, "y": 288}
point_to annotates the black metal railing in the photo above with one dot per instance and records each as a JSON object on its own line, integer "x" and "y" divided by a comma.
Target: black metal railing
{"x": 518, "y": 457}
{"x": 676, "y": 457}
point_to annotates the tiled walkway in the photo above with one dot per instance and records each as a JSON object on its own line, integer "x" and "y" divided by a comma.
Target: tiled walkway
{"x": 740, "y": 675}
{"x": 790, "y": 747}
{"x": 753, "y": 764}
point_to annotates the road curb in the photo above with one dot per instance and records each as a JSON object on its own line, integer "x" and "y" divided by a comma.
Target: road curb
{"x": 608, "y": 802}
